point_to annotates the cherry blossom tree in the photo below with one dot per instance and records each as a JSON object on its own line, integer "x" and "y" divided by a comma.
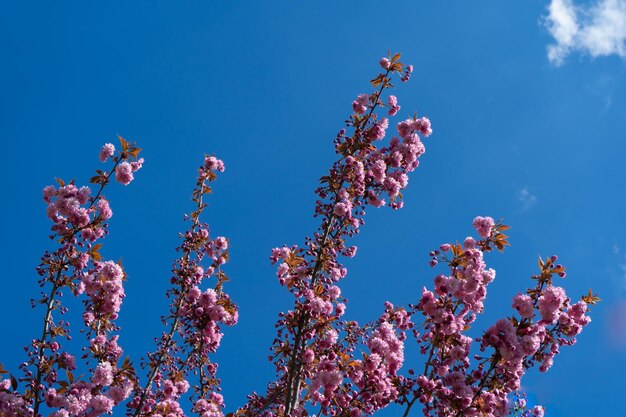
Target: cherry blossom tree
{"x": 325, "y": 365}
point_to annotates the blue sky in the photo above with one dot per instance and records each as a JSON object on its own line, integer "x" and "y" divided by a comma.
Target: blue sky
{"x": 528, "y": 106}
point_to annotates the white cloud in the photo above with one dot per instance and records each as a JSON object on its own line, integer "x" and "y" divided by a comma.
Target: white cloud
{"x": 561, "y": 22}
{"x": 598, "y": 30}
{"x": 526, "y": 198}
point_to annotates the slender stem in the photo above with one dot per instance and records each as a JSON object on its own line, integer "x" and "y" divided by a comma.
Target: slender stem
{"x": 483, "y": 381}
{"x": 44, "y": 335}
{"x": 105, "y": 182}
{"x": 202, "y": 381}
{"x": 409, "y": 405}
{"x": 156, "y": 365}
{"x": 426, "y": 365}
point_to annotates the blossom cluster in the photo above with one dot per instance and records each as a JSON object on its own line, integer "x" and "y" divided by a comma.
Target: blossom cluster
{"x": 448, "y": 311}
{"x": 79, "y": 219}
{"x": 520, "y": 407}
{"x": 194, "y": 320}
{"x": 373, "y": 379}
{"x": 315, "y": 351}
{"x": 451, "y": 383}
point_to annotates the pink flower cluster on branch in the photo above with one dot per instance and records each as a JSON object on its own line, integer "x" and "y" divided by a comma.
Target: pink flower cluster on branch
{"x": 314, "y": 351}
{"x": 451, "y": 384}
{"x": 79, "y": 220}
{"x": 194, "y": 320}
{"x": 182, "y": 354}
